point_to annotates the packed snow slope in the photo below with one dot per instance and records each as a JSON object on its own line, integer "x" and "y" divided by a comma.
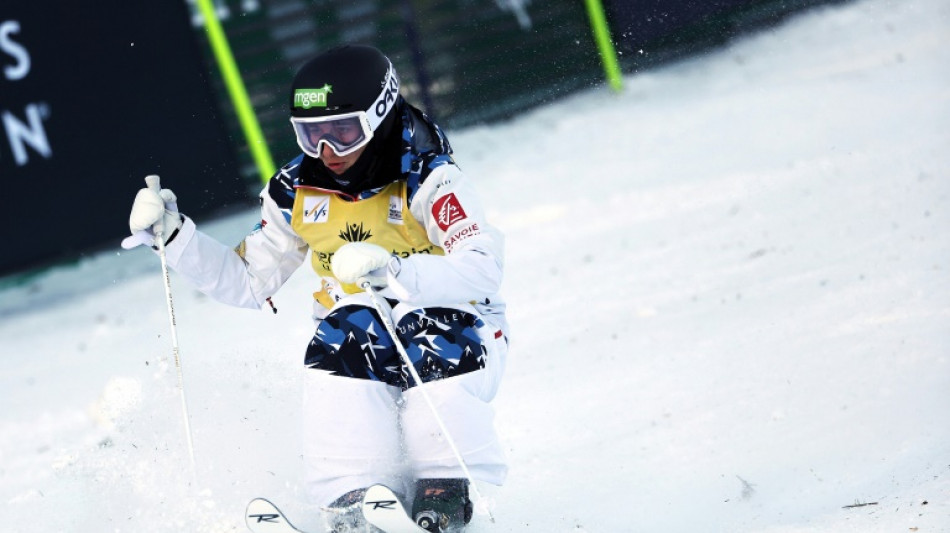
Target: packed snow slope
{"x": 729, "y": 289}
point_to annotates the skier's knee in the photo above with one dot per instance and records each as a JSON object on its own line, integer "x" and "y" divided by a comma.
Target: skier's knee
{"x": 351, "y": 341}
{"x": 442, "y": 342}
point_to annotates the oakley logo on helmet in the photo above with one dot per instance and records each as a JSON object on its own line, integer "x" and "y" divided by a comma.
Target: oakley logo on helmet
{"x": 307, "y": 98}
{"x": 388, "y": 96}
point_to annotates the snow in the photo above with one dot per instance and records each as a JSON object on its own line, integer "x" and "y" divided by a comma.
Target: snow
{"x": 729, "y": 294}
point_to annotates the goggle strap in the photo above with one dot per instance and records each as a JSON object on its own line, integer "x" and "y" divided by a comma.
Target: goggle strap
{"x": 386, "y": 99}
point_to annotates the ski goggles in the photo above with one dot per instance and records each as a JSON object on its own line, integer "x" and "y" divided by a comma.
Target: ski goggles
{"x": 344, "y": 134}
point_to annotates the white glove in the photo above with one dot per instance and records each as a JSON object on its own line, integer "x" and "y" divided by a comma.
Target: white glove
{"x": 356, "y": 262}
{"x": 149, "y": 210}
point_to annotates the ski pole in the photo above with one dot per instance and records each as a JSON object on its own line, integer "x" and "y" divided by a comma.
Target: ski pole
{"x": 152, "y": 182}
{"x": 391, "y": 329}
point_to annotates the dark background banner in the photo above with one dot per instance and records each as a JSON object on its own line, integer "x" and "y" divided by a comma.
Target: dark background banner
{"x": 93, "y": 97}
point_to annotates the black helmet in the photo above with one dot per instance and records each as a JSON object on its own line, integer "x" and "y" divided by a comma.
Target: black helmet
{"x": 341, "y": 97}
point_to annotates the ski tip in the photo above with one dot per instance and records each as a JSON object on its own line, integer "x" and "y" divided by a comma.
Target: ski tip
{"x": 380, "y": 497}
{"x": 260, "y": 503}
{"x": 380, "y": 490}
{"x": 383, "y": 508}
{"x": 264, "y": 517}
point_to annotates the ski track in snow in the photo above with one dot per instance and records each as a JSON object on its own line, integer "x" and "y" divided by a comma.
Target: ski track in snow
{"x": 730, "y": 303}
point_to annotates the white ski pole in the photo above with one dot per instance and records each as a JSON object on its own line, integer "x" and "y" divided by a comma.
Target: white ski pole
{"x": 152, "y": 182}
{"x": 387, "y": 322}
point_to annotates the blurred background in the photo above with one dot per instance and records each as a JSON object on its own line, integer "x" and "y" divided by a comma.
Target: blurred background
{"x": 96, "y": 95}
{"x": 727, "y": 281}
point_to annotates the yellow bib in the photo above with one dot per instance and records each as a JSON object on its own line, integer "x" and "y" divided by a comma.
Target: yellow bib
{"x": 326, "y": 222}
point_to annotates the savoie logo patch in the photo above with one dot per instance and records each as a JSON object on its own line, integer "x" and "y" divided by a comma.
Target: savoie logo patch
{"x": 307, "y": 98}
{"x": 447, "y": 211}
{"x": 316, "y": 208}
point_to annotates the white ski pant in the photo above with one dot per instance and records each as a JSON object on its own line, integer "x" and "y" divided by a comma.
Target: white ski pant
{"x": 358, "y": 432}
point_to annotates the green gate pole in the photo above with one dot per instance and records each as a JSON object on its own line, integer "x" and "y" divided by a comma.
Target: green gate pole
{"x": 236, "y": 90}
{"x": 601, "y": 31}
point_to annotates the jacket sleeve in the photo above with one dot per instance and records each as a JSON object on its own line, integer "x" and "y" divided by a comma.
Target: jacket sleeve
{"x": 244, "y": 276}
{"x": 449, "y": 208}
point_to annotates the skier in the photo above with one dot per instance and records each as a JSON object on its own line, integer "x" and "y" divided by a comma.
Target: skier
{"x": 375, "y": 196}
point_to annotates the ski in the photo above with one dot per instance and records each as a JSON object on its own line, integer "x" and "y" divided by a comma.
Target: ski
{"x": 383, "y": 509}
{"x": 263, "y": 516}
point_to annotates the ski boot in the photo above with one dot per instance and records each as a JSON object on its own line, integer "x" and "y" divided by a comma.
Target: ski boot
{"x": 442, "y": 505}
{"x": 345, "y": 514}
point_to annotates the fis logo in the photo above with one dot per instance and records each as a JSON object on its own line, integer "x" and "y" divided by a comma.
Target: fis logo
{"x": 307, "y": 98}
{"x": 316, "y": 209}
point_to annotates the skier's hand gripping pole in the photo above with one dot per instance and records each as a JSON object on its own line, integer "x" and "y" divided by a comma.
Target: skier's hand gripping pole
{"x": 153, "y": 210}
{"x": 152, "y": 182}
{"x": 366, "y": 284}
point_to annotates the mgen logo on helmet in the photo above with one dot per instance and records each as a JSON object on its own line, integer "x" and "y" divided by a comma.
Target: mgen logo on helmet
{"x": 307, "y": 98}
{"x": 341, "y": 97}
